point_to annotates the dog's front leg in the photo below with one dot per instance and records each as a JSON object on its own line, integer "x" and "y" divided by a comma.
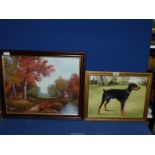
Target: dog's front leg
{"x": 105, "y": 106}
{"x": 122, "y": 108}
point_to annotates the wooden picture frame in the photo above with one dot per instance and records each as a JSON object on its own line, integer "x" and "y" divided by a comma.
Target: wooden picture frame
{"x": 42, "y": 83}
{"x": 0, "y": 97}
{"x": 153, "y": 37}
{"x": 116, "y": 92}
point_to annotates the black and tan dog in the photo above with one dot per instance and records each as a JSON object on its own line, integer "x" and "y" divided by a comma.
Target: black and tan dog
{"x": 120, "y": 94}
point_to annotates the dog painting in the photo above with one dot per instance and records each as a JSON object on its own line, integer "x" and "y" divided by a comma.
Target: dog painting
{"x": 122, "y": 96}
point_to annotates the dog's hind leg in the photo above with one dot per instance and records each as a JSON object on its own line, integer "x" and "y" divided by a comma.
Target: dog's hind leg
{"x": 99, "y": 109}
{"x": 102, "y": 101}
{"x": 105, "y": 105}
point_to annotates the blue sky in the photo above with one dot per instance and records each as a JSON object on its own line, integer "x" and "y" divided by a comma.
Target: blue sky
{"x": 64, "y": 67}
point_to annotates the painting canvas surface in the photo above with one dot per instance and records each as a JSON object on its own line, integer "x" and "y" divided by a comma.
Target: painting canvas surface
{"x": 134, "y": 105}
{"x": 41, "y": 84}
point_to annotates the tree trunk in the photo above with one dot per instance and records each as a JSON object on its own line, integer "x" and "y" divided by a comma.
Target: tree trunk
{"x": 14, "y": 90}
{"x": 25, "y": 90}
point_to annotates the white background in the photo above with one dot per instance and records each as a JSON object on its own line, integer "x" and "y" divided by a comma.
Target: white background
{"x": 77, "y": 145}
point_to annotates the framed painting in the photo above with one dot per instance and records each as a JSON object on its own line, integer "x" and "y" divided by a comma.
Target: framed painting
{"x": 42, "y": 83}
{"x": 117, "y": 96}
{"x": 153, "y": 33}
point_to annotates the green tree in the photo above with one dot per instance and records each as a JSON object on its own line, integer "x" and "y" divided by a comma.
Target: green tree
{"x": 52, "y": 91}
{"x": 33, "y": 91}
{"x": 124, "y": 79}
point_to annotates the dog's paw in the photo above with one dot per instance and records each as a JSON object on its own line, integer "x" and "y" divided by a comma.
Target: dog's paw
{"x": 99, "y": 113}
{"x": 123, "y": 115}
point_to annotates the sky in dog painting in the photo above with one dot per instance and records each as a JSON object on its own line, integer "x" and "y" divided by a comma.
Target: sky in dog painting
{"x": 117, "y": 97}
{"x": 46, "y": 85}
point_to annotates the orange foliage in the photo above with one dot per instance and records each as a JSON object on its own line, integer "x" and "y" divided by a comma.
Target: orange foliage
{"x": 74, "y": 85}
{"x": 7, "y": 87}
{"x": 32, "y": 69}
{"x": 61, "y": 83}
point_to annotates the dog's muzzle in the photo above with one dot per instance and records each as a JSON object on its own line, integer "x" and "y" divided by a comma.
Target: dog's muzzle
{"x": 136, "y": 88}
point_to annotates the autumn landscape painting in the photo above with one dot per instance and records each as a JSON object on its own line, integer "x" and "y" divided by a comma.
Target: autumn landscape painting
{"x": 41, "y": 85}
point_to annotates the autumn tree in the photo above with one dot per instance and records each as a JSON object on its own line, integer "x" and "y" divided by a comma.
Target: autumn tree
{"x": 10, "y": 74}
{"x": 31, "y": 70}
{"x": 61, "y": 84}
{"x": 74, "y": 85}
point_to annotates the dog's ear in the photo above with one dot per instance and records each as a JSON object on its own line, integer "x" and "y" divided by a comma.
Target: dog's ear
{"x": 130, "y": 86}
{"x": 133, "y": 86}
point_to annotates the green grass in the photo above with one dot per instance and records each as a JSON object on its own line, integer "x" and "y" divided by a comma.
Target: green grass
{"x": 134, "y": 105}
{"x": 46, "y": 97}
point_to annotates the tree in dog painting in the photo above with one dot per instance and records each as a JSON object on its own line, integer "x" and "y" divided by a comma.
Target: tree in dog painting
{"x": 41, "y": 85}
{"x": 123, "y": 96}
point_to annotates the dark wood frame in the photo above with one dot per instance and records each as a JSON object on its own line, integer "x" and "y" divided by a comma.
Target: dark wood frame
{"x": 97, "y": 73}
{"x": 73, "y": 54}
{"x": 0, "y": 111}
{"x": 153, "y": 37}
{"x": 0, "y": 102}
{"x": 0, "y": 105}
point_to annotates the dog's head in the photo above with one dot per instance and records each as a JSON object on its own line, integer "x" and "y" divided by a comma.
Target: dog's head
{"x": 133, "y": 86}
